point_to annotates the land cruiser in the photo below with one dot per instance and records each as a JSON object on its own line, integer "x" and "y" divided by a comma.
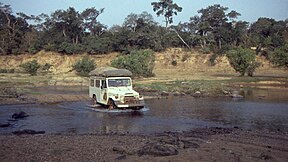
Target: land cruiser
{"x": 112, "y": 87}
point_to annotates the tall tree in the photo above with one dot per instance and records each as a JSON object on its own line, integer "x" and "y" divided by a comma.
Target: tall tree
{"x": 90, "y": 23}
{"x": 266, "y": 32}
{"x": 12, "y": 30}
{"x": 166, "y": 8}
{"x": 214, "y": 25}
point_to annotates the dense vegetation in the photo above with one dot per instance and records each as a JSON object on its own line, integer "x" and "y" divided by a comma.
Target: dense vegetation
{"x": 214, "y": 30}
{"x": 84, "y": 66}
{"x": 140, "y": 62}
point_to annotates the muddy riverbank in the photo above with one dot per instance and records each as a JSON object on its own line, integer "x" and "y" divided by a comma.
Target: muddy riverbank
{"x": 209, "y": 144}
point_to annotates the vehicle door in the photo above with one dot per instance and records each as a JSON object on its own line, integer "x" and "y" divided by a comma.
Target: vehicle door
{"x": 103, "y": 92}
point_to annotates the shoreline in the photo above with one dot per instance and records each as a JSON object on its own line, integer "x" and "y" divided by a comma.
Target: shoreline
{"x": 205, "y": 144}
{"x": 54, "y": 98}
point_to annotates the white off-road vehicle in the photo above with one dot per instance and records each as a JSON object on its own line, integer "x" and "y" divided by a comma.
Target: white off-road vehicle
{"x": 112, "y": 87}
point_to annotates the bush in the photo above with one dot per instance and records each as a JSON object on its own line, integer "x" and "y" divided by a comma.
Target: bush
{"x": 46, "y": 67}
{"x": 280, "y": 56}
{"x": 70, "y": 48}
{"x": 95, "y": 45}
{"x": 174, "y": 63}
{"x": 84, "y": 66}
{"x": 205, "y": 50}
{"x": 140, "y": 63}
{"x": 243, "y": 60}
{"x": 7, "y": 70}
{"x": 31, "y": 67}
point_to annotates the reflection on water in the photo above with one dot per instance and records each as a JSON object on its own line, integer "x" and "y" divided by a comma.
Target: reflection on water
{"x": 260, "y": 109}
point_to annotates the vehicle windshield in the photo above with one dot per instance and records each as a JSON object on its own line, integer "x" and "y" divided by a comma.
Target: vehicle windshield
{"x": 119, "y": 82}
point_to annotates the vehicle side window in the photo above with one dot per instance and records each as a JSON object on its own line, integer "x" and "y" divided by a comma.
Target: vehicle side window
{"x": 92, "y": 82}
{"x": 104, "y": 84}
{"x": 98, "y": 83}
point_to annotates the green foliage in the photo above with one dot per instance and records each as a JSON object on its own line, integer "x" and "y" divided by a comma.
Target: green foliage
{"x": 280, "y": 56}
{"x": 72, "y": 32}
{"x": 96, "y": 45}
{"x": 174, "y": 62}
{"x": 140, "y": 63}
{"x": 243, "y": 60}
{"x": 84, "y": 66}
{"x": 46, "y": 67}
{"x": 70, "y": 48}
{"x": 166, "y": 8}
{"x": 31, "y": 67}
{"x": 205, "y": 50}
{"x": 7, "y": 70}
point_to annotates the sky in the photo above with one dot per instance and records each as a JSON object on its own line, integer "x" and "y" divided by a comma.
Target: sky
{"x": 115, "y": 11}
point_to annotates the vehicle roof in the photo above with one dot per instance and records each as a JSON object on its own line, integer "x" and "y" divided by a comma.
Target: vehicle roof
{"x": 110, "y": 72}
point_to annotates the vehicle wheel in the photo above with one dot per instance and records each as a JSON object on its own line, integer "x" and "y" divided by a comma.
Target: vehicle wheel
{"x": 94, "y": 100}
{"x": 111, "y": 104}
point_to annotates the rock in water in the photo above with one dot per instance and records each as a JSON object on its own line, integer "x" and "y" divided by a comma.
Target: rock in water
{"x": 3, "y": 125}
{"x": 20, "y": 115}
{"x": 28, "y": 131}
{"x": 158, "y": 149}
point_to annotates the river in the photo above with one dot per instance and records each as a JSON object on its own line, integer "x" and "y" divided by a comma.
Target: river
{"x": 260, "y": 109}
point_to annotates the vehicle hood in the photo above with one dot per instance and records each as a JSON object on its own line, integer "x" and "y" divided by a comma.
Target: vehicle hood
{"x": 123, "y": 91}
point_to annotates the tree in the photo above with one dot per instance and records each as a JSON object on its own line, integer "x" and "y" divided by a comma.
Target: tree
{"x": 215, "y": 21}
{"x": 215, "y": 28}
{"x": 69, "y": 22}
{"x": 268, "y": 33}
{"x": 166, "y": 8}
{"x": 243, "y": 60}
{"x": 90, "y": 23}
{"x": 135, "y": 21}
{"x": 280, "y": 56}
{"x": 12, "y": 30}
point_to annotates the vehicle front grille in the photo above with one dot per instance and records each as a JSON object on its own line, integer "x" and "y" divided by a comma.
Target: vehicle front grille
{"x": 130, "y": 100}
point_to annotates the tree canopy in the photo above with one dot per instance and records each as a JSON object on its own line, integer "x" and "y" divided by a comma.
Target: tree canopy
{"x": 215, "y": 29}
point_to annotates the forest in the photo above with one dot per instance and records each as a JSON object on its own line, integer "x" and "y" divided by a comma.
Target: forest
{"x": 215, "y": 29}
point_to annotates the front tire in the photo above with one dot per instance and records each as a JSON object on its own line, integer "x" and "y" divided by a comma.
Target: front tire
{"x": 111, "y": 105}
{"x": 94, "y": 100}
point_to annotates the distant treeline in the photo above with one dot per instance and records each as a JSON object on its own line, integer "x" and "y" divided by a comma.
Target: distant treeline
{"x": 215, "y": 29}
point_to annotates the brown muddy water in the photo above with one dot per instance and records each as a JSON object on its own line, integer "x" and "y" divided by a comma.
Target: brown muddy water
{"x": 260, "y": 109}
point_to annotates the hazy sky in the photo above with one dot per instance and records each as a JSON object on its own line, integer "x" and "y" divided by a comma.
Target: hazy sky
{"x": 116, "y": 10}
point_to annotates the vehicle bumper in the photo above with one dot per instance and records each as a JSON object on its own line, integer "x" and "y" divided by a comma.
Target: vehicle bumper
{"x": 137, "y": 104}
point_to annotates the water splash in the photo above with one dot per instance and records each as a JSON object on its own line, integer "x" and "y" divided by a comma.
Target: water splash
{"x": 99, "y": 108}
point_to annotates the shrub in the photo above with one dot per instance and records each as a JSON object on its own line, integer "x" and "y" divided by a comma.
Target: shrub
{"x": 174, "y": 63}
{"x": 7, "y": 70}
{"x": 243, "y": 60}
{"x": 46, "y": 67}
{"x": 95, "y": 45}
{"x": 84, "y": 66}
{"x": 280, "y": 56}
{"x": 139, "y": 62}
{"x": 70, "y": 48}
{"x": 205, "y": 50}
{"x": 31, "y": 67}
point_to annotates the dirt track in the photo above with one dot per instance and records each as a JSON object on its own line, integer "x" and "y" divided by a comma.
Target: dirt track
{"x": 211, "y": 144}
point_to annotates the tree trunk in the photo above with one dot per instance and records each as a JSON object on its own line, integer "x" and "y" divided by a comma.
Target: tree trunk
{"x": 64, "y": 32}
{"x": 219, "y": 43}
{"x": 182, "y": 39}
{"x": 76, "y": 39}
{"x": 258, "y": 49}
{"x": 2, "y": 51}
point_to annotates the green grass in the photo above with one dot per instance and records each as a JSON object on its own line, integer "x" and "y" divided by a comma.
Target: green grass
{"x": 206, "y": 87}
